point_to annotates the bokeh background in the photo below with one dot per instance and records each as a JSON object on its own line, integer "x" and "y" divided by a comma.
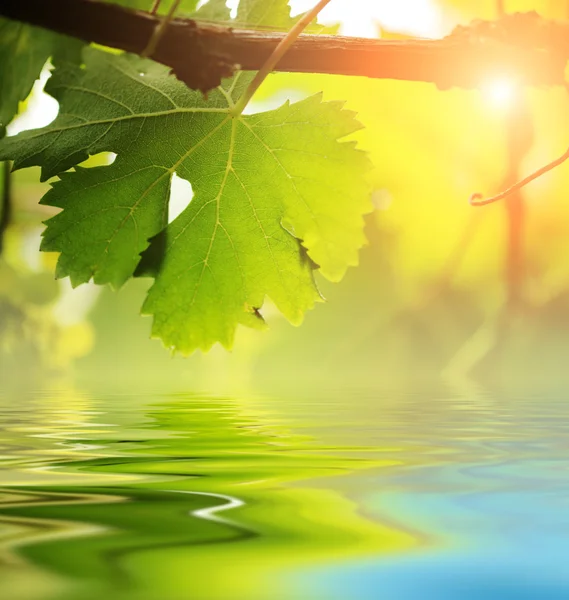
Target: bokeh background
{"x": 442, "y": 288}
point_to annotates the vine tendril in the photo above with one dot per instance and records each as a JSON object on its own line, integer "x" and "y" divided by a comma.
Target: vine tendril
{"x": 479, "y": 200}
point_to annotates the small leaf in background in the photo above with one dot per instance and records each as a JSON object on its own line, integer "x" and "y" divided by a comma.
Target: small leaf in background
{"x": 24, "y": 51}
{"x": 186, "y": 7}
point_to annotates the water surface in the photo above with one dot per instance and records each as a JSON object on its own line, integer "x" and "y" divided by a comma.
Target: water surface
{"x": 395, "y": 494}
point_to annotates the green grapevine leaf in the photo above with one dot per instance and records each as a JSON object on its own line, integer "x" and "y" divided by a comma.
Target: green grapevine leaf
{"x": 282, "y": 176}
{"x": 276, "y": 194}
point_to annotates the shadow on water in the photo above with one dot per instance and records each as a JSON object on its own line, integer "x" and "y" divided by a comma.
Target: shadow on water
{"x": 428, "y": 493}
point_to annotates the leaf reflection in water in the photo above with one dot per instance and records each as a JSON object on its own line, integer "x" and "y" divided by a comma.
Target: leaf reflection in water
{"x": 122, "y": 496}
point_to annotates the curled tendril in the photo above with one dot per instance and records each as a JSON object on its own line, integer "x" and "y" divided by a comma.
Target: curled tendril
{"x": 479, "y": 200}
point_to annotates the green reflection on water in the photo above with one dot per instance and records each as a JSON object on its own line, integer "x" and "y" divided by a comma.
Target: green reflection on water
{"x": 173, "y": 497}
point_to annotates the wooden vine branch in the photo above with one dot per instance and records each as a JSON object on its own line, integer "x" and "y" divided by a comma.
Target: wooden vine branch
{"x": 523, "y": 46}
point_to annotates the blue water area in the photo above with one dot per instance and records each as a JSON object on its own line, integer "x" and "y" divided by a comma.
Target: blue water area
{"x": 497, "y": 531}
{"x": 448, "y": 577}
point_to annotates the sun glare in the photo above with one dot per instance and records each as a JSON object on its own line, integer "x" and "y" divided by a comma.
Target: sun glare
{"x": 500, "y": 93}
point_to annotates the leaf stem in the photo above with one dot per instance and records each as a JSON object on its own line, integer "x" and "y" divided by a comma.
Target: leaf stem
{"x": 161, "y": 29}
{"x": 276, "y": 56}
{"x": 155, "y": 7}
{"x": 476, "y": 199}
